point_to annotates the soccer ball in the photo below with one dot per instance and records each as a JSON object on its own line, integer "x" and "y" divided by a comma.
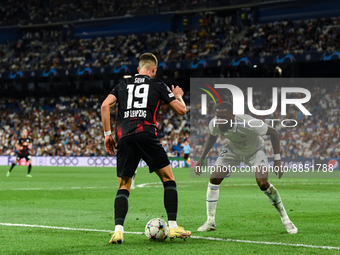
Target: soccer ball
{"x": 157, "y": 229}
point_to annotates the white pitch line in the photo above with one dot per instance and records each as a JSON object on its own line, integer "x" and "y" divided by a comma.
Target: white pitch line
{"x": 283, "y": 184}
{"x": 159, "y": 185}
{"x": 71, "y": 188}
{"x": 270, "y": 243}
{"x": 194, "y": 237}
{"x": 142, "y": 185}
{"x": 58, "y": 188}
{"x": 52, "y": 227}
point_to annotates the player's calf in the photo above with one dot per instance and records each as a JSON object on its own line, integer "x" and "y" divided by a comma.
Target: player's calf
{"x": 211, "y": 203}
{"x": 29, "y": 169}
{"x": 171, "y": 202}
{"x": 121, "y": 209}
{"x": 275, "y": 199}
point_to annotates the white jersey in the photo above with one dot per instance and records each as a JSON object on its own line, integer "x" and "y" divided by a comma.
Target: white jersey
{"x": 244, "y": 136}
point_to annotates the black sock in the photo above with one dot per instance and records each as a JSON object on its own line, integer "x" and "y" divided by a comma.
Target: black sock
{"x": 121, "y": 206}
{"x": 170, "y": 199}
{"x": 13, "y": 165}
{"x": 29, "y": 169}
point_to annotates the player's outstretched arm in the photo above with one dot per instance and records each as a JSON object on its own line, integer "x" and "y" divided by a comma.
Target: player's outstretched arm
{"x": 275, "y": 140}
{"x": 178, "y": 105}
{"x": 207, "y": 147}
{"x": 109, "y": 102}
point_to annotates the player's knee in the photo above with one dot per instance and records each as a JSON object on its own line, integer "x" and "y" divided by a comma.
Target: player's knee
{"x": 165, "y": 174}
{"x": 216, "y": 181}
{"x": 124, "y": 182}
{"x": 167, "y": 178}
{"x": 125, "y": 187}
{"x": 263, "y": 184}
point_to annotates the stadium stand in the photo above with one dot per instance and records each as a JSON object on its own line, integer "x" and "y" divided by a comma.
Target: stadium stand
{"x": 39, "y": 54}
{"x": 218, "y": 36}
{"x": 71, "y": 126}
{"x": 14, "y": 12}
{"x": 215, "y": 38}
{"x": 289, "y": 37}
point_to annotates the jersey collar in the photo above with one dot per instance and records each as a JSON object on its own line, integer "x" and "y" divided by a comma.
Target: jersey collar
{"x": 143, "y": 75}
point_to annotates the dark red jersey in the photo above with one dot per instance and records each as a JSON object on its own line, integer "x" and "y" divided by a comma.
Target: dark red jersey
{"x": 24, "y": 142}
{"x": 138, "y": 103}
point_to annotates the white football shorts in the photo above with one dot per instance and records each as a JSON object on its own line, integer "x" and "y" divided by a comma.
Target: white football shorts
{"x": 229, "y": 157}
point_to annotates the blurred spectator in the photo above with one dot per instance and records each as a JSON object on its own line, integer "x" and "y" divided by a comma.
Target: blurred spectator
{"x": 313, "y": 35}
{"x": 66, "y": 126}
{"x": 45, "y": 49}
{"x": 16, "y": 12}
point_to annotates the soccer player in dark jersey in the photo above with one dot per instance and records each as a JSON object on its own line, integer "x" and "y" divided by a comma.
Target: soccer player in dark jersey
{"x": 138, "y": 101}
{"x": 23, "y": 145}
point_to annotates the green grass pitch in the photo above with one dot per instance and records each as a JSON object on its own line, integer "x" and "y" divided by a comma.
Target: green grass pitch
{"x": 83, "y": 198}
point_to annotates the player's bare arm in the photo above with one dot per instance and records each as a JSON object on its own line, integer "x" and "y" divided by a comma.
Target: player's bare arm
{"x": 18, "y": 147}
{"x": 207, "y": 147}
{"x": 178, "y": 105}
{"x": 275, "y": 140}
{"x": 108, "y": 103}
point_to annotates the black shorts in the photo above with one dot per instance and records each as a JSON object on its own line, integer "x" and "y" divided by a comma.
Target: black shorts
{"x": 132, "y": 148}
{"x": 26, "y": 156}
{"x": 186, "y": 156}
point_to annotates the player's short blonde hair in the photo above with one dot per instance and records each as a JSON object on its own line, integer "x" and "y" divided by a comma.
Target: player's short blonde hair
{"x": 147, "y": 61}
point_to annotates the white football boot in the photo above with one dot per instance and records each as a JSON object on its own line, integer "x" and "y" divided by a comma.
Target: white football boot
{"x": 290, "y": 227}
{"x": 207, "y": 226}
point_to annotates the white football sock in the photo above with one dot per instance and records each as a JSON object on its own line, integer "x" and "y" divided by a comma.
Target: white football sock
{"x": 172, "y": 224}
{"x": 275, "y": 199}
{"x": 212, "y": 197}
{"x": 119, "y": 228}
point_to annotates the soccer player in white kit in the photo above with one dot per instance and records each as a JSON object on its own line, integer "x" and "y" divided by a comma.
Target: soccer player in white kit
{"x": 245, "y": 144}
